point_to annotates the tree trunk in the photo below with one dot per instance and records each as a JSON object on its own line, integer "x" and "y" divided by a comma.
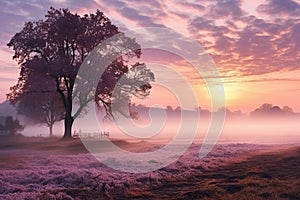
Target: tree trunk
{"x": 51, "y": 130}
{"x": 68, "y": 127}
{"x": 67, "y": 101}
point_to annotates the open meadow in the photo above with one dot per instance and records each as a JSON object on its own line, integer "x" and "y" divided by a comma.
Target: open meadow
{"x": 41, "y": 168}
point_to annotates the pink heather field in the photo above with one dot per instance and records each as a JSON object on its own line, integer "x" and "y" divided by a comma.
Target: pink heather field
{"x": 43, "y": 168}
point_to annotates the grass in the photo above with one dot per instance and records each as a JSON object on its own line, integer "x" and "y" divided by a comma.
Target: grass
{"x": 266, "y": 174}
{"x": 269, "y": 175}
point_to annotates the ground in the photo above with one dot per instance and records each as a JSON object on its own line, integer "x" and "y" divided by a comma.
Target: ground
{"x": 43, "y": 168}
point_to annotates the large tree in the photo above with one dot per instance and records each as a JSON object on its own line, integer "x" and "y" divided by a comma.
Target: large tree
{"x": 54, "y": 49}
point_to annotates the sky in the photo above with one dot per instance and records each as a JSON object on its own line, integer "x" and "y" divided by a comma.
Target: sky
{"x": 255, "y": 45}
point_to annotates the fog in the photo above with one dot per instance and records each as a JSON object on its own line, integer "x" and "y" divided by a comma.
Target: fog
{"x": 266, "y": 130}
{"x": 163, "y": 125}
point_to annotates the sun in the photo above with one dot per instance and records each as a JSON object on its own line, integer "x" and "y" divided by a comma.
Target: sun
{"x": 231, "y": 92}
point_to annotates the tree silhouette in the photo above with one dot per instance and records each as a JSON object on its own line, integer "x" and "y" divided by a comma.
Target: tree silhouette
{"x": 54, "y": 49}
{"x": 13, "y": 125}
{"x": 269, "y": 109}
{"x": 41, "y": 108}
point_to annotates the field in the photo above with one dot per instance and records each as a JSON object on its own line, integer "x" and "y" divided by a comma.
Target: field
{"x": 41, "y": 168}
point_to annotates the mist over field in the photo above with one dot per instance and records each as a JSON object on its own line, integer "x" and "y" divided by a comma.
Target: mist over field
{"x": 267, "y": 129}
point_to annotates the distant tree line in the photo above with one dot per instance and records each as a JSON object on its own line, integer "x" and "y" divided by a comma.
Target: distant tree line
{"x": 272, "y": 110}
{"x": 265, "y": 109}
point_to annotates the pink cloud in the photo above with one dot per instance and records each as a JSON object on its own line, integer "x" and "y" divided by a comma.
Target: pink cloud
{"x": 279, "y": 7}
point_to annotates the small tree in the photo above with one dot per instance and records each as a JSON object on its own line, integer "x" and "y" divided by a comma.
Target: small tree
{"x": 13, "y": 126}
{"x": 42, "y": 108}
{"x": 287, "y": 110}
